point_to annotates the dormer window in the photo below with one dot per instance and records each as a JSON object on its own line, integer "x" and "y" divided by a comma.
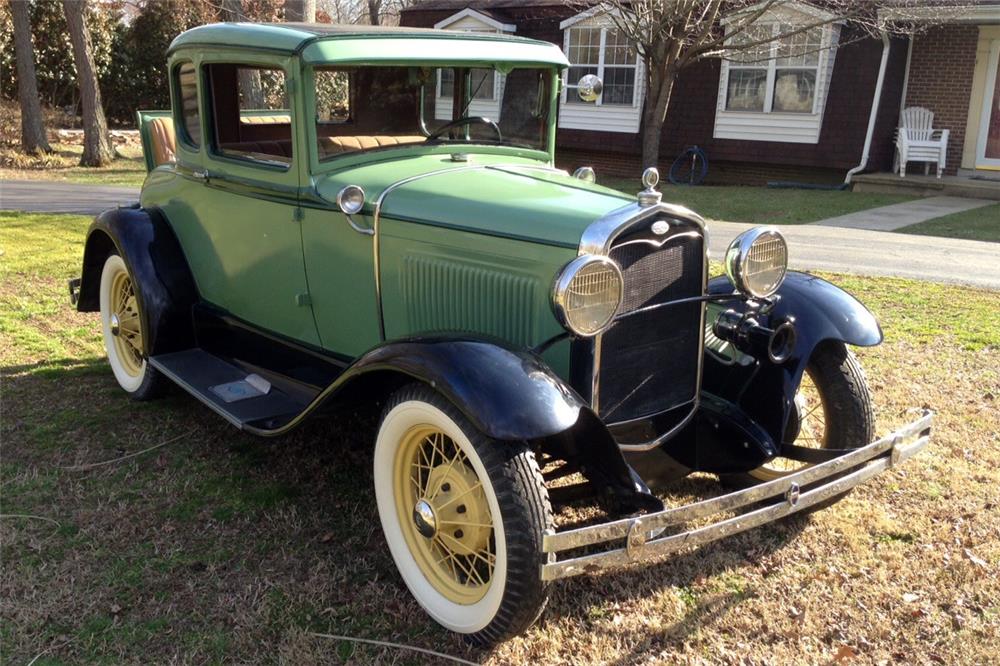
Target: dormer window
{"x": 486, "y": 85}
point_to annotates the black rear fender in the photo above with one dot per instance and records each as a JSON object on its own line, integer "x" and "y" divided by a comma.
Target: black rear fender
{"x": 164, "y": 285}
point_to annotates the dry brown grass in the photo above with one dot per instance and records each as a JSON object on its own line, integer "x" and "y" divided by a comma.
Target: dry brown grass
{"x": 224, "y": 548}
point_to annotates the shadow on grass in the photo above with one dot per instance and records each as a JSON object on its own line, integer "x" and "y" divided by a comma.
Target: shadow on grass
{"x": 233, "y": 509}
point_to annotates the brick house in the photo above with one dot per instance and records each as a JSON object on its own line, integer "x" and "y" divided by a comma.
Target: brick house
{"x": 803, "y": 118}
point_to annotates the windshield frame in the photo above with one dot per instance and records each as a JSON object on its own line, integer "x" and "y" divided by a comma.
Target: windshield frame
{"x": 318, "y": 166}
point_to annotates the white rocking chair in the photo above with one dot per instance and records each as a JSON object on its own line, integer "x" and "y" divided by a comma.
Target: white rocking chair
{"x": 918, "y": 141}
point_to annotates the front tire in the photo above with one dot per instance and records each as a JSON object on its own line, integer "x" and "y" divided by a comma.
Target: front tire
{"x": 121, "y": 322}
{"x": 833, "y": 410}
{"x": 463, "y": 517}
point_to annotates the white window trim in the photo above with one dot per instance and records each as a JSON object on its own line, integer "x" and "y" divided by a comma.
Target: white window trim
{"x": 768, "y": 124}
{"x": 599, "y": 116}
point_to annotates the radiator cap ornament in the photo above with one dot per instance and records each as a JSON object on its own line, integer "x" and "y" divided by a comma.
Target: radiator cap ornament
{"x": 649, "y": 196}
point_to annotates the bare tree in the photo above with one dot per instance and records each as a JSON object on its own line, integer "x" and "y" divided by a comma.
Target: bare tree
{"x": 300, "y": 11}
{"x": 374, "y": 11}
{"x": 671, "y": 35}
{"x": 33, "y": 140}
{"x": 97, "y": 150}
{"x": 251, "y": 90}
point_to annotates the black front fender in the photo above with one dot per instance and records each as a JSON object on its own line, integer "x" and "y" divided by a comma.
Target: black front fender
{"x": 163, "y": 282}
{"x": 821, "y": 312}
{"x": 508, "y": 395}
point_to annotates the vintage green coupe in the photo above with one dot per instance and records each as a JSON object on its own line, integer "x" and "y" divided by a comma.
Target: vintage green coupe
{"x": 331, "y": 216}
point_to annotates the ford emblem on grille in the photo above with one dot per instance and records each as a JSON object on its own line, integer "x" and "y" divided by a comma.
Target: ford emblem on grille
{"x": 660, "y": 227}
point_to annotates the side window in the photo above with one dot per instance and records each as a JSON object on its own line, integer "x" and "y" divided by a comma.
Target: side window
{"x": 251, "y": 119}
{"x": 186, "y": 83}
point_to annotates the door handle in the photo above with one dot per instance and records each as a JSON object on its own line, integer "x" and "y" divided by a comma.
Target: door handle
{"x": 200, "y": 175}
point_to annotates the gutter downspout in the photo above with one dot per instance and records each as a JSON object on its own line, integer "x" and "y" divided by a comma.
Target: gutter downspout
{"x": 876, "y": 101}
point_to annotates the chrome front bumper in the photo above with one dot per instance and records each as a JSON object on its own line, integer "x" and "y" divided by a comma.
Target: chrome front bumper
{"x": 643, "y": 536}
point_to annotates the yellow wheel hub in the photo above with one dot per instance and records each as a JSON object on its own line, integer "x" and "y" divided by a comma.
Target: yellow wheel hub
{"x": 126, "y": 329}
{"x": 444, "y": 515}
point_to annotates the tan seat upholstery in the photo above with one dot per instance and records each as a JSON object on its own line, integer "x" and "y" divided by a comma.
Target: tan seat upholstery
{"x": 163, "y": 141}
{"x": 266, "y": 120}
{"x": 335, "y": 145}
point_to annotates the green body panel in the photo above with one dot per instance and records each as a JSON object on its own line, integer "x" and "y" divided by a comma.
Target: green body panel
{"x": 245, "y": 252}
{"x": 507, "y": 201}
{"x": 438, "y": 280}
{"x": 463, "y": 246}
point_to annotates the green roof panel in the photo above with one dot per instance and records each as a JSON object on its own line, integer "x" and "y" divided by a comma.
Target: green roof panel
{"x": 328, "y": 43}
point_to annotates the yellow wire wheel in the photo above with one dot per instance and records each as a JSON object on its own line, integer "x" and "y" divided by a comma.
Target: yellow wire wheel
{"x": 444, "y": 515}
{"x": 122, "y": 327}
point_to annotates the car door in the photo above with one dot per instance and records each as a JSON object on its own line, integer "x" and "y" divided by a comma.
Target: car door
{"x": 242, "y": 227}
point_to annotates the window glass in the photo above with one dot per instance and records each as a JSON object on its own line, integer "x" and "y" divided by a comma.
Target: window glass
{"x": 483, "y": 83}
{"x": 615, "y": 64}
{"x": 388, "y": 107}
{"x": 333, "y": 96}
{"x": 187, "y": 90}
{"x": 250, "y": 113}
{"x": 747, "y": 89}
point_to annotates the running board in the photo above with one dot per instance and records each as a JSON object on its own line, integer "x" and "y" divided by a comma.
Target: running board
{"x": 198, "y": 373}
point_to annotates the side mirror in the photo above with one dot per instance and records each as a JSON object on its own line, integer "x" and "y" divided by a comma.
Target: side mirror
{"x": 589, "y": 88}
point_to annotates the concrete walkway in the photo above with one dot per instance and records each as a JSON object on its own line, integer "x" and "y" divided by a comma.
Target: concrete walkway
{"x": 811, "y": 247}
{"x": 897, "y": 216}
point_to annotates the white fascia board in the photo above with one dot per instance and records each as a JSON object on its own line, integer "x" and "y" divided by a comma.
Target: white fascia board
{"x": 476, "y": 16}
{"x": 981, "y": 14}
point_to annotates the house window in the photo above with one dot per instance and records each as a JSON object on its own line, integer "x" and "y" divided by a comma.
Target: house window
{"x": 483, "y": 84}
{"x": 606, "y": 52}
{"x": 778, "y": 76}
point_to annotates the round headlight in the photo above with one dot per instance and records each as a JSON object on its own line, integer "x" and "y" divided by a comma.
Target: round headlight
{"x": 756, "y": 261}
{"x": 587, "y": 294}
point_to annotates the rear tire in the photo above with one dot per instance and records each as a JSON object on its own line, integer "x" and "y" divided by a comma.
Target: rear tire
{"x": 842, "y": 401}
{"x": 463, "y": 517}
{"x": 121, "y": 324}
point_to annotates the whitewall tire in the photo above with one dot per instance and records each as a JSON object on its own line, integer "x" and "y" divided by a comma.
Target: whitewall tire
{"x": 463, "y": 517}
{"x": 121, "y": 324}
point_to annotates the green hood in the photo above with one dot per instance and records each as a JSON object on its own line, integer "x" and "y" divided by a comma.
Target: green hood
{"x": 493, "y": 194}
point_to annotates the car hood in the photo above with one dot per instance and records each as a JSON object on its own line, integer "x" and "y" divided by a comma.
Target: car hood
{"x": 511, "y": 198}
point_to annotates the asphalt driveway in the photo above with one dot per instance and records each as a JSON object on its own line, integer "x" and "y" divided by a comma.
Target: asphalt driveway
{"x": 812, "y": 247}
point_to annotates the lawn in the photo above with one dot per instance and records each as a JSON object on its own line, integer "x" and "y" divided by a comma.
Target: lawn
{"x": 217, "y": 547}
{"x": 128, "y": 169}
{"x": 763, "y": 205}
{"x": 979, "y": 224}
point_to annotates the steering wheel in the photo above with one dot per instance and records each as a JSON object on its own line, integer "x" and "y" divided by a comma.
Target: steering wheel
{"x": 466, "y": 120}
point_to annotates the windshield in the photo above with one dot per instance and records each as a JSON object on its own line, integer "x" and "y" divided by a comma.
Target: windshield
{"x": 368, "y": 108}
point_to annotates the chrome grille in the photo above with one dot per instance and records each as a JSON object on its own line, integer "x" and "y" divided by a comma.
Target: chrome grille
{"x": 649, "y": 359}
